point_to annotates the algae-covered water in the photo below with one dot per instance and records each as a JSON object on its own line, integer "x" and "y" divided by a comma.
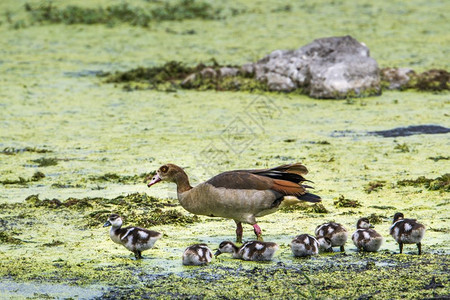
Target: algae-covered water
{"x": 83, "y": 146}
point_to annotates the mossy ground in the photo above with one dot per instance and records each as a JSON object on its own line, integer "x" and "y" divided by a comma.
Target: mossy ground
{"x": 105, "y": 139}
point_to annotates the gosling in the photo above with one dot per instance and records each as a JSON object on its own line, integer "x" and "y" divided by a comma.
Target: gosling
{"x": 197, "y": 255}
{"x": 253, "y": 250}
{"x": 407, "y": 231}
{"x": 304, "y": 245}
{"x": 135, "y": 239}
{"x": 365, "y": 238}
{"x": 331, "y": 235}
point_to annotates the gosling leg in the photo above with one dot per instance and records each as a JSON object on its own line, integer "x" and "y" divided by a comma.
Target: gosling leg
{"x": 400, "y": 245}
{"x": 419, "y": 248}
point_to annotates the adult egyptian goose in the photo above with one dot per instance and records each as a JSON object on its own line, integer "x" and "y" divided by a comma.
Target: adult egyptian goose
{"x": 365, "y": 238}
{"x": 197, "y": 255}
{"x": 241, "y": 195}
{"x": 253, "y": 250}
{"x": 330, "y": 235}
{"x": 304, "y": 245}
{"x": 135, "y": 239}
{"x": 407, "y": 231}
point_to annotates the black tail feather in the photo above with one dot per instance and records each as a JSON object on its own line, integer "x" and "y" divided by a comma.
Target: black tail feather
{"x": 310, "y": 198}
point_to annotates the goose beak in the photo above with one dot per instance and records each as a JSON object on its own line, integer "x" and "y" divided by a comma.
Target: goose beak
{"x": 217, "y": 253}
{"x": 108, "y": 223}
{"x": 154, "y": 180}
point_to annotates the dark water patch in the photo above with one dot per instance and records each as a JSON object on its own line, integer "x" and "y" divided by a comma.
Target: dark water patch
{"x": 412, "y": 130}
{"x": 22, "y": 181}
{"x": 12, "y": 150}
{"x": 441, "y": 183}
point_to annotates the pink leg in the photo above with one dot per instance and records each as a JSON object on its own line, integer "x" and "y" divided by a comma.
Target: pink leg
{"x": 258, "y": 232}
{"x": 239, "y": 232}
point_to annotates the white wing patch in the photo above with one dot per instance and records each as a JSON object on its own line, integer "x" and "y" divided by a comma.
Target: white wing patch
{"x": 366, "y": 235}
{"x": 127, "y": 233}
{"x": 259, "y": 246}
{"x": 143, "y": 235}
{"x": 408, "y": 227}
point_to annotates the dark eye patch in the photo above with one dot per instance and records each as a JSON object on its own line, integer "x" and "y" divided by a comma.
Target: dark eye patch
{"x": 164, "y": 169}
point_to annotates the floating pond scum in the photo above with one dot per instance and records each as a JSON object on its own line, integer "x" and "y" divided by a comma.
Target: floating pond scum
{"x": 74, "y": 149}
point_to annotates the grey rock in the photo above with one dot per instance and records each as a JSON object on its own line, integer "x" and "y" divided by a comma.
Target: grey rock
{"x": 208, "y": 73}
{"x": 227, "y": 72}
{"x": 334, "y": 67}
{"x": 397, "y": 78}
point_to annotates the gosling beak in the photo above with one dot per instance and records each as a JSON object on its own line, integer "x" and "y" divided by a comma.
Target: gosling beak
{"x": 371, "y": 226}
{"x": 108, "y": 223}
{"x": 154, "y": 180}
{"x": 217, "y": 253}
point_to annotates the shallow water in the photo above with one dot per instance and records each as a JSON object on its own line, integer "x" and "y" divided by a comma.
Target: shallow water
{"x": 51, "y": 99}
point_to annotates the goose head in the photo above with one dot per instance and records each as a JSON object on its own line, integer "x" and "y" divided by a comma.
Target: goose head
{"x": 324, "y": 243}
{"x": 114, "y": 220}
{"x": 398, "y": 216}
{"x": 171, "y": 173}
{"x": 364, "y": 223}
{"x": 226, "y": 247}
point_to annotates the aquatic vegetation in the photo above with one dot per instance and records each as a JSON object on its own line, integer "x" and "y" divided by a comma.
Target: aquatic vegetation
{"x": 317, "y": 208}
{"x": 177, "y": 75}
{"x": 402, "y": 148}
{"x": 374, "y": 186}
{"x": 36, "y": 177}
{"x": 438, "y": 158}
{"x": 112, "y": 177}
{"x": 344, "y": 202}
{"x": 432, "y": 80}
{"x": 137, "y": 16}
{"x": 45, "y": 162}
{"x": 441, "y": 183}
{"x": 375, "y": 219}
{"x": 12, "y": 150}
{"x": 8, "y": 239}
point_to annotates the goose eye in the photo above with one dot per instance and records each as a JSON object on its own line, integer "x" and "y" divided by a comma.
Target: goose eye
{"x": 164, "y": 169}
